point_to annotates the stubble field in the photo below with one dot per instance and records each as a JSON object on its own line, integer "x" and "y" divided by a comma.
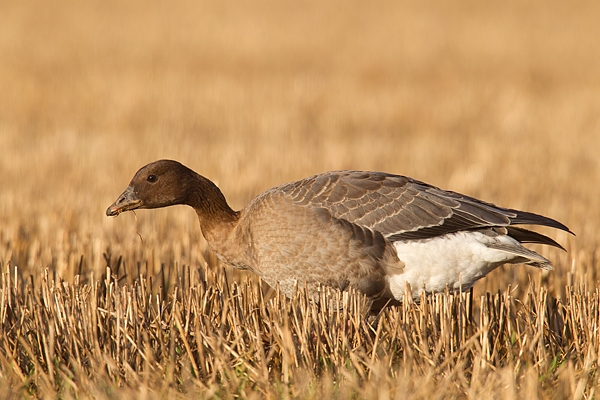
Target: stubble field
{"x": 500, "y": 101}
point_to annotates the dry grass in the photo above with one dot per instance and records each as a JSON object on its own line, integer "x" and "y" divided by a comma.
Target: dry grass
{"x": 499, "y": 101}
{"x": 222, "y": 339}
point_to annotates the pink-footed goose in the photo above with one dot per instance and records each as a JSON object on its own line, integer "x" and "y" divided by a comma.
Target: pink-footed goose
{"x": 369, "y": 230}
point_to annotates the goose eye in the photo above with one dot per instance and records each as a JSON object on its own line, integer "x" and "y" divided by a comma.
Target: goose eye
{"x": 151, "y": 178}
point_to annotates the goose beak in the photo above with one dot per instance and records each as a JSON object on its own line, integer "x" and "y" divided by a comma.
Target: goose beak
{"x": 127, "y": 201}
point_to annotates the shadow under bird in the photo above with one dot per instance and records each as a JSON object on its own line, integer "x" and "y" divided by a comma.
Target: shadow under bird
{"x": 373, "y": 231}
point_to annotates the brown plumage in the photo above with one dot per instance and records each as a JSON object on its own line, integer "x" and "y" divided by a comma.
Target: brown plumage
{"x": 369, "y": 230}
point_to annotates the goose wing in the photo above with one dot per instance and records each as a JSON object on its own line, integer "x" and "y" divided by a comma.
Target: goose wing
{"x": 401, "y": 208}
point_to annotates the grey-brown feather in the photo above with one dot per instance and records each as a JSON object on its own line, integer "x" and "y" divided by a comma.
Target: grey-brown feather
{"x": 525, "y": 255}
{"x": 339, "y": 253}
{"x": 401, "y": 208}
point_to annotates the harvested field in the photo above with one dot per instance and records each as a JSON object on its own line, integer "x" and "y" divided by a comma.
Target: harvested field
{"x": 497, "y": 101}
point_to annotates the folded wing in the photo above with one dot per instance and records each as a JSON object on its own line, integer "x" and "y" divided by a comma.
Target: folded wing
{"x": 401, "y": 208}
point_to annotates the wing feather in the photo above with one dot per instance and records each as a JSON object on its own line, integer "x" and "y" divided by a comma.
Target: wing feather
{"x": 401, "y": 208}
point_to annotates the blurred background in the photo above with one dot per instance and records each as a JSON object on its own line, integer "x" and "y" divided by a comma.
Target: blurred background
{"x": 498, "y": 100}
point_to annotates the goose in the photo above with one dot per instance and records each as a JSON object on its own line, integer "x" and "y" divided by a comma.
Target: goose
{"x": 379, "y": 233}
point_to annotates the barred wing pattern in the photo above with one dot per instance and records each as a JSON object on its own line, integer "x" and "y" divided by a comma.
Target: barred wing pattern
{"x": 401, "y": 208}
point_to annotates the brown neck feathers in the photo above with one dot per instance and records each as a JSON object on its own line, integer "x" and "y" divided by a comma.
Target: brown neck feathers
{"x": 209, "y": 202}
